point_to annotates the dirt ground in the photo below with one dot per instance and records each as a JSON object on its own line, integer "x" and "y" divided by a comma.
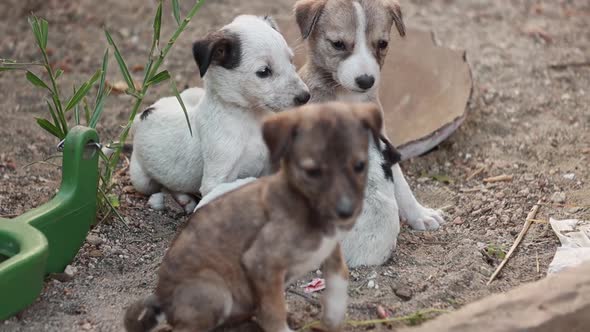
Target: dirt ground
{"x": 529, "y": 118}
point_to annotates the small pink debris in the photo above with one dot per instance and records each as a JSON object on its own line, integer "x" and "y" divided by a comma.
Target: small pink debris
{"x": 315, "y": 285}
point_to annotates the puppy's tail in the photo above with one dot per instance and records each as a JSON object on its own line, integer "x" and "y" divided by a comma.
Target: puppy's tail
{"x": 142, "y": 315}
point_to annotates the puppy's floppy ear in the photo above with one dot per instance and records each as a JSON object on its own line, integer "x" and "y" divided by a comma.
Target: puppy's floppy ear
{"x": 271, "y": 21}
{"x": 370, "y": 116}
{"x": 220, "y": 48}
{"x": 396, "y": 13}
{"x": 307, "y": 14}
{"x": 278, "y": 132}
{"x": 390, "y": 153}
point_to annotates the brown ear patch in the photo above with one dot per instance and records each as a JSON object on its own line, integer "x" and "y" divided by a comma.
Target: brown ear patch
{"x": 307, "y": 14}
{"x": 370, "y": 115}
{"x": 219, "y": 48}
{"x": 278, "y": 132}
{"x": 396, "y": 13}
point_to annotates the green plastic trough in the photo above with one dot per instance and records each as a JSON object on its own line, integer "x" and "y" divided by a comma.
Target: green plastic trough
{"x": 46, "y": 239}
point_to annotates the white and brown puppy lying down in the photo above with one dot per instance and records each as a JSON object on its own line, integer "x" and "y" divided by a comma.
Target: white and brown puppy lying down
{"x": 248, "y": 73}
{"x": 236, "y": 255}
{"x": 348, "y": 41}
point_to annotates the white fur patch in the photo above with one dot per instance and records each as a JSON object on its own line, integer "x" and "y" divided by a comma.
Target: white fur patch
{"x": 361, "y": 61}
{"x": 336, "y": 298}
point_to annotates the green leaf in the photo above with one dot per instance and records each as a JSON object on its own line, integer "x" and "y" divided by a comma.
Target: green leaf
{"x": 175, "y": 90}
{"x": 58, "y": 73}
{"x": 36, "y": 81}
{"x": 82, "y": 91}
{"x": 121, "y": 62}
{"x": 159, "y": 78}
{"x": 77, "y": 115}
{"x": 43, "y": 29}
{"x": 157, "y": 24}
{"x": 52, "y": 113}
{"x": 50, "y": 128}
{"x": 176, "y": 10}
{"x": 114, "y": 200}
{"x": 101, "y": 86}
{"x": 34, "y": 22}
{"x": 97, "y": 111}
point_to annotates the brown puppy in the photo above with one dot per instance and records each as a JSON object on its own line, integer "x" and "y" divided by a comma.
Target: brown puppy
{"x": 238, "y": 253}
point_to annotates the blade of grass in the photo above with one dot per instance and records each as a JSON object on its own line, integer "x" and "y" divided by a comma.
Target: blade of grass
{"x": 157, "y": 26}
{"x": 82, "y": 91}
{"x": 50, "y": 128}
{"x": 98, "y": 110}
{"x": 77, "y": 115}
{"x": 44, "y": 29}
{"x": 176, "y": 11}
{"x": 122, "y": 65}
{"x": 175, "y": 90}
{"x": 53, "y": 116}
{"x": 36, "y": 81}
{"x": 101, "y": 86}
{"x": 159, "y": 78}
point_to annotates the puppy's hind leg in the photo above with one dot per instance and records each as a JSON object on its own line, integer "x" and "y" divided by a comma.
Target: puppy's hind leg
{"x": 145, "y": 185}
{"x": 200, "y": 304}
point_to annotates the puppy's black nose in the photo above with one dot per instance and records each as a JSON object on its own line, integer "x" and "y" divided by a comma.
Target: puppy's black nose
{"x": 345, "y": 208}
{"x": 365, "y": 82}
{"x": 302, "y": 98}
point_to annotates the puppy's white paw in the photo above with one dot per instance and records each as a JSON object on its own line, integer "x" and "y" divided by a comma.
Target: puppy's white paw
{"x": 156, "y": 201}
{"x": 187, "y": 202}
{"x": 422, "y": 218}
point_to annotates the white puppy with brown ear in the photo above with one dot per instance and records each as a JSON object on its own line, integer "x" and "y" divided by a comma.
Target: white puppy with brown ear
{"x": 248, "y": 73}
{"x": 348, "y": 41}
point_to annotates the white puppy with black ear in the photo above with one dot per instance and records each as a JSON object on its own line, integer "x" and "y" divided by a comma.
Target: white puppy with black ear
{"x": 248, "y": 73}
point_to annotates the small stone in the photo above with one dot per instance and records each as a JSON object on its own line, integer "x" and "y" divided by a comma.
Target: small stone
{"x": 86, "y": 326}
{"x": 403, "y": 292}
{"x": 458, "y": 221}
{"x": 94, "y": 240}
{"x": 96, "y": 253}
{"x": 505, "y": 218}
{"x": 371, "y": 284}
{"x": 70, "y": 271}
{"x": 569, "y": 176}
{"x": 529, "y": 177}
{"x": 558, "y": 197}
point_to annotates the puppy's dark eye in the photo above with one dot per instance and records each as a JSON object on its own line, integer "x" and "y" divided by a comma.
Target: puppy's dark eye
{"x": 264, "y": 73}
{"x": 359, "y": 166}
{"x": 315, "y": 172}
{"x": 338, "y": 45}
{"x": 382, "y": 44}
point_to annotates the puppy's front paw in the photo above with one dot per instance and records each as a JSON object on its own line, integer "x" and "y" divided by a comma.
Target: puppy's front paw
{"x": 422, "y": 218}
{"x": 156, "y": 201}
{"x": 187, "y": 202}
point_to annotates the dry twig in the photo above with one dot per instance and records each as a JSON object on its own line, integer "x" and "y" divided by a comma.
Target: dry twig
{"x": 476, "y": 173}
{"x": 527, "y": 224}
{"x": 499, "y": 178}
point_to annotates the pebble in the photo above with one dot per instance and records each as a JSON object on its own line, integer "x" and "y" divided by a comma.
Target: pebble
{"x": 458, "y": 221}
{"x": 70, "y": 271}
{"x": 558, "y": 197}
{"x": 569, "y": 176}
{"x": 371, "y": 284}
{"x": 94, "y": 240}
{"x": 403, "y": 292}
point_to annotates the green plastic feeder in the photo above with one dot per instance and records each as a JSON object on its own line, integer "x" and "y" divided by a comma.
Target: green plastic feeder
{"x": 46, "y": 239}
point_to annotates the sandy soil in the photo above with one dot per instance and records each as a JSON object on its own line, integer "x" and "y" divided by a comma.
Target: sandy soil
{"x": 529, "y": 118}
